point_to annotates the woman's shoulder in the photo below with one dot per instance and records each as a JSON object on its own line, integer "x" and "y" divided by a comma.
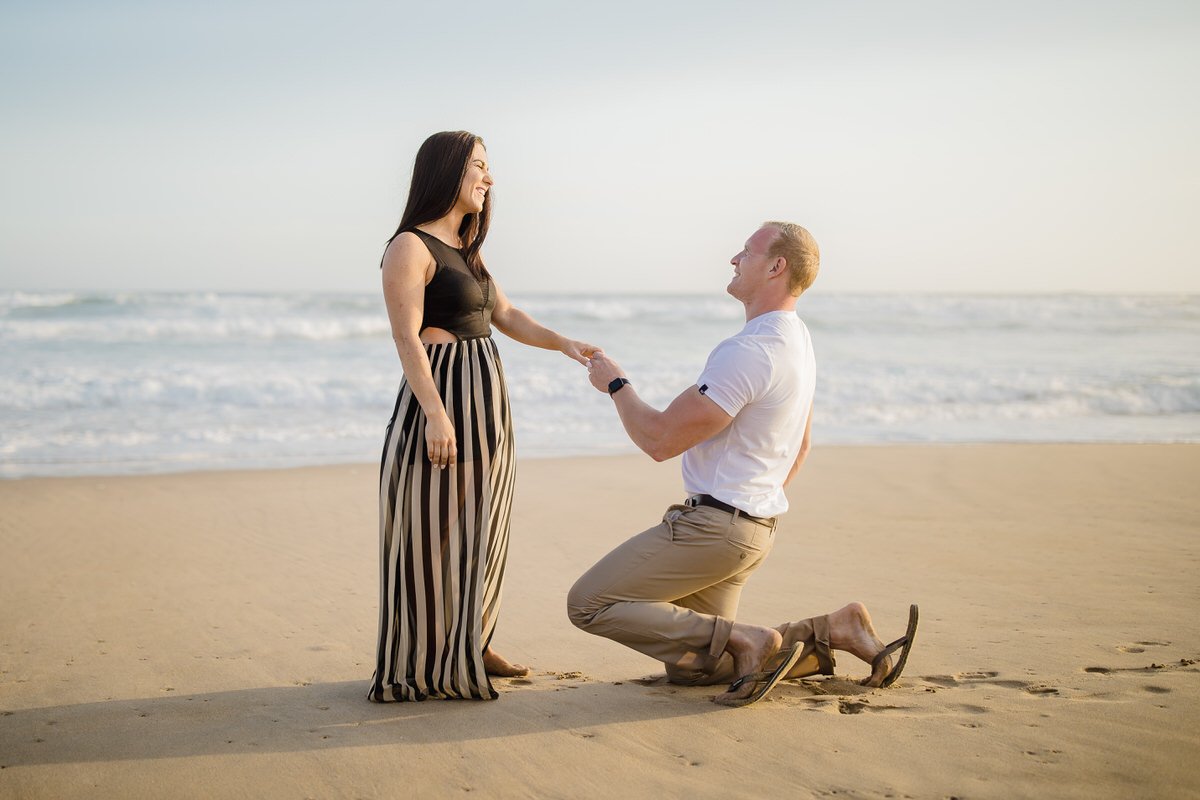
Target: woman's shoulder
{"x": 411, "y": 238}
{"x": 407, "y": 250}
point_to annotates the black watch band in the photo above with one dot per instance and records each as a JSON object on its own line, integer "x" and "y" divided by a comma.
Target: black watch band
{"x": 616, "y": 383}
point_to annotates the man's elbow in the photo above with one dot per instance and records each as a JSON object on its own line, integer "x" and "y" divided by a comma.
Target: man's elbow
{"x": 651, "y": 449}
{"x": 662, "y": 451}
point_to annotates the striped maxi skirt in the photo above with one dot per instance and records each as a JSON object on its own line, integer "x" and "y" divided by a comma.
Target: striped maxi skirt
{"x": 444, "y": 532}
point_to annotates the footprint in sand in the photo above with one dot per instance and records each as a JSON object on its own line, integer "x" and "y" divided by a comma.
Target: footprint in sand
{"x": 989, "y": 678}
{"x": 946, "y": 681}
{"x": 1045, "y": 756}
{"x": 1140, "y": 647}
{"x": 851, "y": 706}
{"x": 960, "y": 678}
{"x": 1182, "y": 664}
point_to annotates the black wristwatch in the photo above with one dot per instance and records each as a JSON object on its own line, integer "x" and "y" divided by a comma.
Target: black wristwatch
{"x": 616, "y": 383}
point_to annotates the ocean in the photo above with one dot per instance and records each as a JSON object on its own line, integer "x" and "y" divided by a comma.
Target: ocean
{"x": 116, "y": 383}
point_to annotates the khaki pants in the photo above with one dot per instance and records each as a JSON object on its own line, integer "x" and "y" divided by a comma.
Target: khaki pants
{"x": 672, "y": 593}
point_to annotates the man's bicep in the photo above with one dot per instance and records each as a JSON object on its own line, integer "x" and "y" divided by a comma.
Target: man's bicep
{"x": 736, "y": 374}
{"x": 690, "y": 419}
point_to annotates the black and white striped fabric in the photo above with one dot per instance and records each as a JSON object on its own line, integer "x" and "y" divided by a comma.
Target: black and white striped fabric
{"x": 444, "y": 532}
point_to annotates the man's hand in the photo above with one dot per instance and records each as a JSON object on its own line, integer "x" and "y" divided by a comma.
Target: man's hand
{"x": 602, "y": 370}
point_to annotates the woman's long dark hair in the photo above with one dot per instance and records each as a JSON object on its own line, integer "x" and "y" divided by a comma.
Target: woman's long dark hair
{"x": 437, "y": 177}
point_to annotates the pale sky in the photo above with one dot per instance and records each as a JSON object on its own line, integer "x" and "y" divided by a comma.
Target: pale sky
{"x": 932, "y": 146}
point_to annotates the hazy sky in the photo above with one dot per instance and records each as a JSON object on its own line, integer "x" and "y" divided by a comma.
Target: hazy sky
{"x": 999, "y": 147}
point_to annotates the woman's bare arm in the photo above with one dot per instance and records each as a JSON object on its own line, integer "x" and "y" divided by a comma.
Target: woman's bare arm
{"x": 407, "y": 267}
{"x": 516, "y": 324}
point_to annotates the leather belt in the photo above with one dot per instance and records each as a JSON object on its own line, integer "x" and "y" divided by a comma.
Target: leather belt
{"x": 712, "y": 502}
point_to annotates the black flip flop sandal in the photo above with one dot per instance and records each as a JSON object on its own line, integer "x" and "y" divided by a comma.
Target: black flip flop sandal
{"x": 904, "y": 643}
{"x": 765, "y": 681}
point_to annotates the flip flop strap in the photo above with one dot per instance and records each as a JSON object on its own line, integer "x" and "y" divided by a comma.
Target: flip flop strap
{"x": 888, "y": 650}
{"x": 753, "y": 676}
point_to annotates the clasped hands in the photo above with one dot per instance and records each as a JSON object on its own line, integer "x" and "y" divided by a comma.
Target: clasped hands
{"x": 440, "y": 441}
{"x": 602, "y": 370}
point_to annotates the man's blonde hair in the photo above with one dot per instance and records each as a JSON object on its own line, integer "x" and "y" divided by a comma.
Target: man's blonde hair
{"x": 798, "y": 247}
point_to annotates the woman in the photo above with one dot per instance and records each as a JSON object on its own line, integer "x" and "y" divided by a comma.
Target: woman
{"x": 445, "y": 484}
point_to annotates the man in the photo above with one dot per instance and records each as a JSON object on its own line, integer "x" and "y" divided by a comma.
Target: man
{"x": 672, "y": 591}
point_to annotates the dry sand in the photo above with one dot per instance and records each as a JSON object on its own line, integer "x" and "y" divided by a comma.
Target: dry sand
{"x": 210, "y": 635}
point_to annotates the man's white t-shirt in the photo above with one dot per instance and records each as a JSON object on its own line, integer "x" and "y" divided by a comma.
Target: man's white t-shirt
{"x": 763, "y": 377}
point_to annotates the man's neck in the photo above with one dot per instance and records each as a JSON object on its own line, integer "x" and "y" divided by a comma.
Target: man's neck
{"x": 756, "y": 308}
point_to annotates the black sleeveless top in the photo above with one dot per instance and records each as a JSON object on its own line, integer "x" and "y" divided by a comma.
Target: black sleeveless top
{"x": 454, "y": 300}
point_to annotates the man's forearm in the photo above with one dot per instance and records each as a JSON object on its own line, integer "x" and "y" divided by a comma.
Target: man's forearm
{"x": 642, "y": 422}
{"x": 796, "y": 465}
{"x": 805, "y": 446}
{"x": 691, "y": 417}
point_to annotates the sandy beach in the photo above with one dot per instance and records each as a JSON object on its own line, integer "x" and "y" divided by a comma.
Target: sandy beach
{"x": 211, "y": 635}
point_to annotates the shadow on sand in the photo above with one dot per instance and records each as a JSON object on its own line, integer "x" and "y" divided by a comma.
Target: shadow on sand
{"x": 323, "y": 716}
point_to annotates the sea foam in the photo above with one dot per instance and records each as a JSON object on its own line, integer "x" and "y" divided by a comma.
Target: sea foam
{"x": 134, "y": 382}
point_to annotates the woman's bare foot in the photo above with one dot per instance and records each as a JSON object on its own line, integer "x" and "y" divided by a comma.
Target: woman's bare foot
{"x": 497, "y": 665}
{"x": 851, "y": 631}
{"x": 751, "y": 647}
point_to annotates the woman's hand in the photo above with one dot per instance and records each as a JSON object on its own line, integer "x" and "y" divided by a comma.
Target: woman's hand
{"x": 440, "y": 443}
{"x": 577, "y": 351}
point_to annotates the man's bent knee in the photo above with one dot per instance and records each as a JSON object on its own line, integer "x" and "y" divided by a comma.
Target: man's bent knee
{"x": 581, "y": 609}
